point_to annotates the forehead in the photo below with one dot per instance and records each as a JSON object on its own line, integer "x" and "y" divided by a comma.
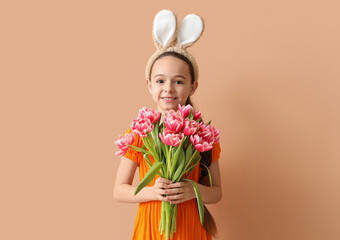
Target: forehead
{"x": 170, "y": 66}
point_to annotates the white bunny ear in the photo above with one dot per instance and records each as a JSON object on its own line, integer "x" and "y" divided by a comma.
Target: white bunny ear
{"x": 164, "y": 26}
{"x": 190, "y": 29}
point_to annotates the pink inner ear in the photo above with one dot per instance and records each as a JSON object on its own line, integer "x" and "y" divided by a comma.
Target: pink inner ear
{"x": 164, "y": 26}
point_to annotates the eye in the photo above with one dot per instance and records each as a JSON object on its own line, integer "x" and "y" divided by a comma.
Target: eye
{"x": 160, "y": 81}
{"x": 179, "y": 82}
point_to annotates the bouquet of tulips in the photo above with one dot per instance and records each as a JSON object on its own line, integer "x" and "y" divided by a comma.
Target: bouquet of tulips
{"x": 175, "y": 144}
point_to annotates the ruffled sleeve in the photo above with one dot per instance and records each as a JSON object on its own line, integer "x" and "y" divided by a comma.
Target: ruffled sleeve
{"x": 132, "y": 154}
{"x": 215, "y": 152}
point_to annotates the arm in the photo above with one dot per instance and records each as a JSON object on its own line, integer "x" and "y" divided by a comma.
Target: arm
{"x": 124, "y": 191}
{"x": 212, "y": 194}
{"x": 183, "y": 191}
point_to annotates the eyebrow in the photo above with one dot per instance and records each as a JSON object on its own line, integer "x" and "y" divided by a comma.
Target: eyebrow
{"x": 174, "y": 76}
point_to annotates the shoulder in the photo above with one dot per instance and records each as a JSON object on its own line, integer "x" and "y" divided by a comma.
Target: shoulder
{"x": 138, "y": 140}
{"x": 132, "y": 154}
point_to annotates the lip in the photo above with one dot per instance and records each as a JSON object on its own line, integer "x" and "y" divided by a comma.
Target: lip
{"x": 168, "y": 99}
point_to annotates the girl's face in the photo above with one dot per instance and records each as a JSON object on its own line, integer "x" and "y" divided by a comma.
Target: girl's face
{"x": 170, "y": 83}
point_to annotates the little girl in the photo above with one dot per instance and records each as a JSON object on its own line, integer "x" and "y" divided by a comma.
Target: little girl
{"x": 171, "y": 75}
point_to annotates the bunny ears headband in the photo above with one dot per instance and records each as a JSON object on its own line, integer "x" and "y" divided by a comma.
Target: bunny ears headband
{"x": 167, "y": 37}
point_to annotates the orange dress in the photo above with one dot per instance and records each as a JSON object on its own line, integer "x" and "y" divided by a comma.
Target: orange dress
{"x": 149, "y": 213}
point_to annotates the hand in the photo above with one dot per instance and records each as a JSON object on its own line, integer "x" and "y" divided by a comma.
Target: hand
{"x": 159, "y": 188}
{"x": 179, "y": 192}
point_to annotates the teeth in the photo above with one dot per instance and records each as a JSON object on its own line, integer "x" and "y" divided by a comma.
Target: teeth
{"x": 169, "y": 98}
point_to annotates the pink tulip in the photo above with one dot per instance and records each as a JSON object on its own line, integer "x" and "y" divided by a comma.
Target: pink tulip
{"x": 209, "y": 133}
{"x": 122, "y": 141}
{"x": 185, "y": 110}
{"x": 206, "y": 134}
{"x": 152, "y": 115}
{"x": 190, "y": 127}
{"x": 199, "y": 144}
{"x": 173, "y": 121}
{"x": 197, "y": 115}
{"x": 141, "y": 126}
{"x": 216, "y": 133}
{"x": 170, "y": 138}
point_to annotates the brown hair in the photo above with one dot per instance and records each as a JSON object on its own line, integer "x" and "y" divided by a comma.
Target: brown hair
{"x": 209, "y": 222}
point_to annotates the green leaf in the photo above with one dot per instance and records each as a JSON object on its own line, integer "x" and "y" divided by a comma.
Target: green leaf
{"x": 156, "y": 138}
{"x": 163, "y": 124}
{"x": 199, "y": 199}
{"x": 208, "y": 173}
{"x": 163, "y": 171}
{"x": 151, "y": 146}
{"x": 193, "y": 159}
{"x": 193, "y": 165}
{"x": 189, "y": 169}
{"x": 138, "y": 149}
{"x": 147, "y": 160}
{"x": 149, "y": 176}
{"x": 175, "y": 156}
{"x": 188, "y": 152}
{"x": 165, "y": 150}
{"x": 180, "y": 167}
{"x": 151, "y": 140}
{"x": 191, "y": 115}
{"x": 173, "y": 150}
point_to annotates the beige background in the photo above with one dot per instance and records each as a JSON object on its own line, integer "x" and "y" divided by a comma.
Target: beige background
{"x": 72, "y": 79}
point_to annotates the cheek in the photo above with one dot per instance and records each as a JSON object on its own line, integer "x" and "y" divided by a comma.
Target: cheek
{"x": 156, "y": 92}
{"x": 184, "y": 96}
{"x": 185, "y": 92}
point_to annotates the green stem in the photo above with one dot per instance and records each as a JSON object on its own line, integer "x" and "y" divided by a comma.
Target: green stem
{"x": 168, "y": 161}
{"x": 176, "y": 155}
{"x": 190, "y": 161}
{"x": 168, "y": 219}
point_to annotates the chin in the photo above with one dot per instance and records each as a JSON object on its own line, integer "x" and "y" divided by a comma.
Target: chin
{"x": 172, "y": 107}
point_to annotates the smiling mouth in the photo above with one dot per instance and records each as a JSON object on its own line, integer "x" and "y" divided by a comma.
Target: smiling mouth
{"x": 169, "y": 98}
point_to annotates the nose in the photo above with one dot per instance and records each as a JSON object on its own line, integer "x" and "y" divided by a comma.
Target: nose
{"x": 168, "y": 87}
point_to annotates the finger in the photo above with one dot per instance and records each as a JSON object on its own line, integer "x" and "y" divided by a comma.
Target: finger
{"x": 163, "y": 180}
{"x": 161, "y": 185}
{"x": 163, "y": 198}
{"x": 161, "y": 192}
{"x": 174, "y": 191}
{"x": 176, "y": 185}
{"x": 177, "y": 201}
{"x": 175, "y": 197}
